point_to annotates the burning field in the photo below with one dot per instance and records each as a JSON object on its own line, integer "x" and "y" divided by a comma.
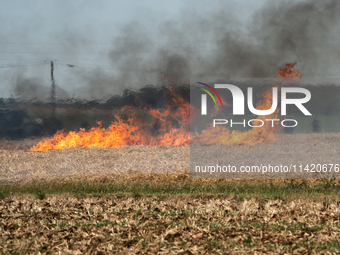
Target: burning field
{"x": 101, "y": 162}
{"x": 126, "y": 188}
{"x": 132, "y": 128}
{"x": 157, "y": 140}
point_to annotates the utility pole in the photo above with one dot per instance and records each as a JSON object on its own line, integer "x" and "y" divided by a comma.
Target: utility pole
{"x": 53, "y": 91}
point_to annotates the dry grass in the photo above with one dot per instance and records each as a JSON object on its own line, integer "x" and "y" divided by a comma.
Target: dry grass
{"x": 177, "y": 225}
{"x": 296, "y": 149}
{"x": 20, "y": 166}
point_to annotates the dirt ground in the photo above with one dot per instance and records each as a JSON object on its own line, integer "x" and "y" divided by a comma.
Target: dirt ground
{"x": 16, "y": 164}
{"x": 178, "y": 225}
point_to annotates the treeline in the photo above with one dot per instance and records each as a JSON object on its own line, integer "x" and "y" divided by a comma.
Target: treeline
{"x": 325, "y": 99}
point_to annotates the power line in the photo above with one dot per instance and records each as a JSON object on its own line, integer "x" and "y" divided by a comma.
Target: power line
{"x": 54, "y": 43}
{"x": 70, "y": 64}
{"x": 85, "y": 52}
{"x": 22, "y": 65}
{"x": 56, "y": 62}
{"x": 34, "y": 60}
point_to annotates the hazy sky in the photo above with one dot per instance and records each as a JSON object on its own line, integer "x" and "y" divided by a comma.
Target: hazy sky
{"x": 83, "y": 32}
{"x": 119, "y": 44}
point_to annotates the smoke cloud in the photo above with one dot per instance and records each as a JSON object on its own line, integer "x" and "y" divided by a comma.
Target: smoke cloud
{"x": 33, "y": 89}
{"x": 216, "y": 44}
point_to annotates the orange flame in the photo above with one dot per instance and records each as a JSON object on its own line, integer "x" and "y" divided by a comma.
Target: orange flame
{"x": 133, "y": 130}
{"x": 289, "y": 71}
{"x": 162, "y": 131}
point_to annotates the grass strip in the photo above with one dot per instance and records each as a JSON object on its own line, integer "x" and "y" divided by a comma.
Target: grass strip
{"x": 290, "y": 188}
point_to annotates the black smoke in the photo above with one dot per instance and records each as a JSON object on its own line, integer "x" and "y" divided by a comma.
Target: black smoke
{"x": 215, "y": 44}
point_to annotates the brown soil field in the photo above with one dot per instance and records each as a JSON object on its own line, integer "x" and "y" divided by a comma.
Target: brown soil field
{"x": 19, "y": 165}
{"x": 178, "y": 225}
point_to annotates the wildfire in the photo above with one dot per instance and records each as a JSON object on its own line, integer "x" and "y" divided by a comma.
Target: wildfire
{"x": 130, "y": 130}
{"x": 161, "y": 129}
{"x": 289, "y": 71}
